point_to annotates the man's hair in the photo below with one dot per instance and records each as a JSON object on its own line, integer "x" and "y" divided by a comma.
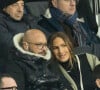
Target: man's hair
{"x": 5, "y": 3}
{"x": 96, "y": 72}
{"x": 50, "y": 3}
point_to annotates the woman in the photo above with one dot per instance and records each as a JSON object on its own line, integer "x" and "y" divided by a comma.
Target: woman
{"x": 77, "y": 69}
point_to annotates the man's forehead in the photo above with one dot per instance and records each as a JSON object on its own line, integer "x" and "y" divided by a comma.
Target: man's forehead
{"x": 21, "y": 1}
{"x": 38, "y": 40}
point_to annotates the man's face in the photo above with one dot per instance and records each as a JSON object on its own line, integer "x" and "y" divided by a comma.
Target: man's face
{"x": 15, "y": 10}
{"x": 38, "y": 45}
{"x": 66, "y": 6}
{"x": 8, "y": 83}
{"x": 98, "y": 82}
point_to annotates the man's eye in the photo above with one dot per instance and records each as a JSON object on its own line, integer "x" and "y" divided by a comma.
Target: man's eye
{"x": 67, "y": 0}
{"x": 38, "y": 44}
{"x": 22, "y": 4}
{"x": 15, "y": 4}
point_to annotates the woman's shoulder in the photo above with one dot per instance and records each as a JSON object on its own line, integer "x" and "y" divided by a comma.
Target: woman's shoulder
{"x": 92, "y": 59}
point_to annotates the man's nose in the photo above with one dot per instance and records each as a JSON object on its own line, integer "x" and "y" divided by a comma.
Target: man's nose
{"x": 44, "y": 47}
{"x": 73, "y": 2}
{"x": 20, "y": 8}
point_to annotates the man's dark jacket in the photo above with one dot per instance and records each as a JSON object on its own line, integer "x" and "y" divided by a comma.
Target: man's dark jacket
{"x": 8, "y": 28}
{"x": 31, "y": 70}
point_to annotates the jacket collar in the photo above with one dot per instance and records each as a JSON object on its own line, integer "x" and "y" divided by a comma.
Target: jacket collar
{"x": 48, "y": 16}
{"x": 16, "y": 40}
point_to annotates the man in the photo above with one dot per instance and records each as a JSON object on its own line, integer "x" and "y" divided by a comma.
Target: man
{"x": 56, "y": 12}
{"x": 62, "y": 16}
{"x": 30, "y": 62}
{"x": 7, "y": 82}
{"x": 35, "y": 41}
{"x": 88, "y": 13}
{"x": 12, "y": 21}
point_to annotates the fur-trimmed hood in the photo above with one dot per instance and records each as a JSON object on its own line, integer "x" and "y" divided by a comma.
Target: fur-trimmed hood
{"x": 48, "y": 15}
{"x": 16, "y": 40}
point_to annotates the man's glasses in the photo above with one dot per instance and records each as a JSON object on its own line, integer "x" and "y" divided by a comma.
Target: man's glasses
{"x": 39, "y": 45}
{"x": 71, "y": 0}
{"x": 9, "y": 88}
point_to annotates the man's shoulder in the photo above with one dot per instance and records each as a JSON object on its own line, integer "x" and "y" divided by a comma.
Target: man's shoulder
{"x": 2, "y": 17}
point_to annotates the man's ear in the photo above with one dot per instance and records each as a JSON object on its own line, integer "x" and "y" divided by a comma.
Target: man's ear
{"x": 25, "y": 46}
{"x": 54, "y": 3}
{"x": 98, "y": 82}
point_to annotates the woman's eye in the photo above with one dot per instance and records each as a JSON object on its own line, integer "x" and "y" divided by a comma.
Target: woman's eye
{"x": 54, "y": 47}
{"x": 64, "y": 45}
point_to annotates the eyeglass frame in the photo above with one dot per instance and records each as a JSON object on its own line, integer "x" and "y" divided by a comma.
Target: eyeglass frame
{"x": 39, "y": 45}
{"x": 12, "y": 88}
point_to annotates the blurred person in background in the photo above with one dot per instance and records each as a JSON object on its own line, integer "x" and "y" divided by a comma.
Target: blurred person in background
{"x": 13, "y": 20}
{"x": 7, "y": 82}
{"x": 62, "y": 15}
{"x": 96, "y": 75}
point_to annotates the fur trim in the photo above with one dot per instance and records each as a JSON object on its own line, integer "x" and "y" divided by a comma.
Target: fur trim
{"x": 16, "y": 40}
{"x": 98, "y": 33}
{"x": 98, "y": 23}
{"x": 47, "y": 14}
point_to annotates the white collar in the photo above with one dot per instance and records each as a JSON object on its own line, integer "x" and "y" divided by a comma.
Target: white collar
{"x": 16, "y": 40}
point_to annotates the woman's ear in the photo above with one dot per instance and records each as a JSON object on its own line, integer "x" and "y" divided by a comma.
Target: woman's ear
{"x": 98, "y": 82}
{"x": 25, "y": 46}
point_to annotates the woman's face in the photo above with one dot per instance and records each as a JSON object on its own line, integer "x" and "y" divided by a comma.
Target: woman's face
{"x": 60, "y": 50}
